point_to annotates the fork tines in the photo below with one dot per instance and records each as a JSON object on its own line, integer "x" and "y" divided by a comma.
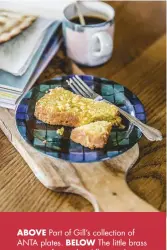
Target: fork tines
{"x": 80, "y": 87}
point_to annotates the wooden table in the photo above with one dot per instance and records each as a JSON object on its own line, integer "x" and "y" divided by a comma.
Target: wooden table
{"x": 138, "y": 62}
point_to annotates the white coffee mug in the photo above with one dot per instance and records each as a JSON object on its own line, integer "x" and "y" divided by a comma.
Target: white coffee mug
{"x": 92, "y": 44}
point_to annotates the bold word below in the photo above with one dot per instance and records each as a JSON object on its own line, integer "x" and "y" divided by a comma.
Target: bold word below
{"x": 81, "y": 242}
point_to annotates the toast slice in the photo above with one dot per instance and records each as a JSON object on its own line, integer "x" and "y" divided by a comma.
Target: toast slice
{"x": 12, "y": 24}
{"x": 62, "y": 107}
{"x": 93, "y": 135}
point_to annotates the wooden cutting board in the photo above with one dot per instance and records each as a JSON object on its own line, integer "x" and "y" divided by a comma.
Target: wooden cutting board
{"x": 102, "y": 183}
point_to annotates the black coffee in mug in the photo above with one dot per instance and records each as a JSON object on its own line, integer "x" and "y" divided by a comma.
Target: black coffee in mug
{"x": 89, "y": 20}
{"x": 90, "y": 44}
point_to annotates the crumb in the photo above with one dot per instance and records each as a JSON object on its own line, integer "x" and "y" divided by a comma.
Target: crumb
{"x": 60, "y": 131}
{"x": 121, "y": 126}
{"x": 114, "y": 193}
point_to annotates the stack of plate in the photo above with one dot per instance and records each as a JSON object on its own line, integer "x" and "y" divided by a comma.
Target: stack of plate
{"x": 27, "y": 44}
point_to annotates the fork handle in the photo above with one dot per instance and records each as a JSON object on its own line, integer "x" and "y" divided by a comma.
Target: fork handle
{"x": 150, "y": 133}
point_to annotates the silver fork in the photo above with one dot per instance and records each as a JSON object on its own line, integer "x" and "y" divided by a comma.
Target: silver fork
{"x": 81, "y": 88}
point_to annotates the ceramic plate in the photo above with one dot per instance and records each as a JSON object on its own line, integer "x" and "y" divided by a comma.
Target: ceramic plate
{"x": 44, "y": 138}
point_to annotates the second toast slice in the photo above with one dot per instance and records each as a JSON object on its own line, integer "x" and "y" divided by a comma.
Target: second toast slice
{"x": 93, "y": 135}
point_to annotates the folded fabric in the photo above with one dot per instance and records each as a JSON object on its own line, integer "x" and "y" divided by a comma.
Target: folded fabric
{"x": 10, "y": 98}
{"x": 18, "y": 83}
{"x": 16, "y": 54}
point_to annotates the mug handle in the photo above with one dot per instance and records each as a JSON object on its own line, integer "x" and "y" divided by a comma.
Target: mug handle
{"x": 106, "y": 43}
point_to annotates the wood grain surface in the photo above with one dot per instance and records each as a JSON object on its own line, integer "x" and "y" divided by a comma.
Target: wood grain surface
{"x": 138, "y": 62}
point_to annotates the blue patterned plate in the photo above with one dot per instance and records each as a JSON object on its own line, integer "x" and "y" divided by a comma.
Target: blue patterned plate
{"x": 45, "y": 139}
